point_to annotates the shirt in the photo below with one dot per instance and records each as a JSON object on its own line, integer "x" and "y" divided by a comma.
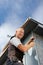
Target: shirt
{"x": 15, "y": 41}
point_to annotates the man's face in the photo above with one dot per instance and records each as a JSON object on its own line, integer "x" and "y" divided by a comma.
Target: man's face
{"x": 20, "y": 33}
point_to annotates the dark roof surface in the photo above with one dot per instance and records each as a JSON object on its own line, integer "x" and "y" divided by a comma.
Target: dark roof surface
{"x": 32, "y": 25}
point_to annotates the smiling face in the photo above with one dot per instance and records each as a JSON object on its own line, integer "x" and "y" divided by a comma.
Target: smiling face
{"x": 20, "y": 33}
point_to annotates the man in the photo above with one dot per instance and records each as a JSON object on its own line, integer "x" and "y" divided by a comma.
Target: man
{"x": 16, "y": 49}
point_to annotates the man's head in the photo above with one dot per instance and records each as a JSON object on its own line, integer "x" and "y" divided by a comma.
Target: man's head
{"x": 20, "y": 33}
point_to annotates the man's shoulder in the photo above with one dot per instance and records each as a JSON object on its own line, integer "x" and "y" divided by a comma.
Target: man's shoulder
{"x": 15, "y": 41}
{"x": 15, "y": 38}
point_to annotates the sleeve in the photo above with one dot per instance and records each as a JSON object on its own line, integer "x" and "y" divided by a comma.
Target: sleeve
{"x": 15, "y": 41}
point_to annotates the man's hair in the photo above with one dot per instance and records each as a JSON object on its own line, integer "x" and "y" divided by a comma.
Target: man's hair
{"x": 20, "y": 28}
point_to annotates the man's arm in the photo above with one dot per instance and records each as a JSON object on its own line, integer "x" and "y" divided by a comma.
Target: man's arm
{"x": 27, "y": 46}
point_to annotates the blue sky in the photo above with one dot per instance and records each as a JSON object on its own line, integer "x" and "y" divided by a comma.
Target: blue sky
{"x": 13, "y": 14}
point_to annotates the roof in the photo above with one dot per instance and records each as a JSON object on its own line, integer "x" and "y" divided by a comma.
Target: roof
{"x": 29, "y": 26}
{"x": 32, "y": 25}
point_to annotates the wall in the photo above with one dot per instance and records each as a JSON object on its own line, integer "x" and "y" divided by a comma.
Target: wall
{"x": 30, "y": 56}
{"x": 39, "y": 48}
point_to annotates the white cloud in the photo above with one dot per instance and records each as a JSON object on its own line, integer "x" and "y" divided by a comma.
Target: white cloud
{"x": 38, "y": 13}
{"x": 5, "y": 29}
{"x": 11, "y": 22}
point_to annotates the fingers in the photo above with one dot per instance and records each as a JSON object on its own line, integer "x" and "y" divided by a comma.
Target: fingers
{"x": 32, "y": 38}
{"x": 32, "y": 44}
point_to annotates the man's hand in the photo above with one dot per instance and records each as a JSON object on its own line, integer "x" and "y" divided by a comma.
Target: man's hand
{"x": 32, "y": 43}
{"x": 31, "y": 40}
